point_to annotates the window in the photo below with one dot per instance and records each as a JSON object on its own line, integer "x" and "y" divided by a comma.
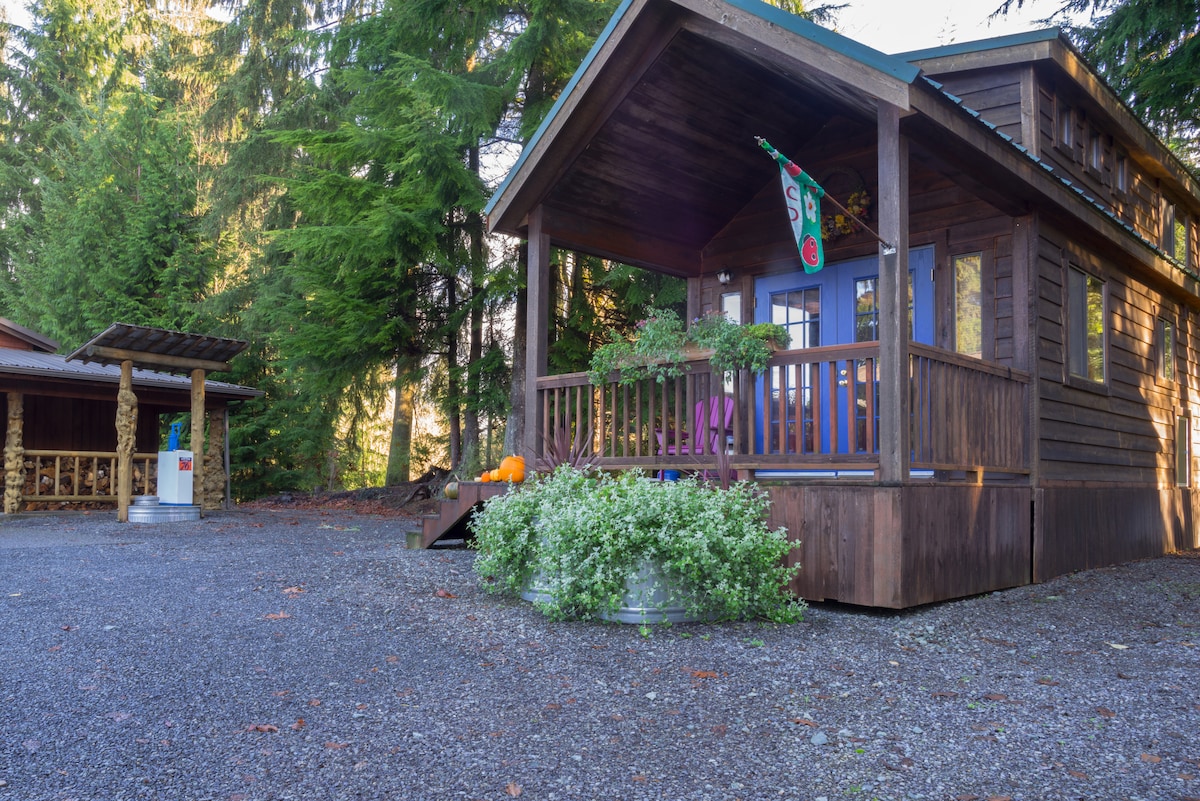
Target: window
{"x": 799, "y": 311}
{"x": 1166, "y": 349}
{"x": 1121, "y": 176}
{"x": 1085, "y": 325}
{"x": 1183, "y": 451}
{"x": 968, "y": 304}
{"x": 1095, "y": 158}
{"x": 731, "y": 306}
{"x": 1180, "y": 238}
{"x": 866, "y": 308}
{"x": 1065, "y": 129}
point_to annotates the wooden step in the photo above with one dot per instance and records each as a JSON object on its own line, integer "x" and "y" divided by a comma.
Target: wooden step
{"x": 454, "y": 514}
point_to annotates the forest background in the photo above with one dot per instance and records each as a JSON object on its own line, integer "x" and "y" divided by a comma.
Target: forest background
{"x": 309, "y": 176}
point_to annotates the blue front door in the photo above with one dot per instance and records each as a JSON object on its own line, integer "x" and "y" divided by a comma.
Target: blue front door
{"x": 835, "y": 306}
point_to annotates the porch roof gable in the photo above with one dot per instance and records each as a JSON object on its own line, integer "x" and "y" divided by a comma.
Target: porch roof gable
{"x": 680, "y": 88}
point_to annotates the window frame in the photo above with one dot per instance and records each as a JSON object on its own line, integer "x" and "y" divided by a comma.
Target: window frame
{"x": 1064, "y": 128}
{"x": 982, "y": 308}
{"x": 1073, "y": 328}
{"x": 1166, "y": 372}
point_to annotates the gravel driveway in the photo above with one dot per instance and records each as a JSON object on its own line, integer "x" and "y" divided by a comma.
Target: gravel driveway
{"x": 309, "y": 656}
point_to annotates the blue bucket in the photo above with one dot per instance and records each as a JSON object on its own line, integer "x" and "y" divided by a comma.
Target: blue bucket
{"x": 670, "y": 475}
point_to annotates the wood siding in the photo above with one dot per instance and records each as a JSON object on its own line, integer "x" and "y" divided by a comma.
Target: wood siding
{"x": 898, "y": 547}
{"x": 1081, "y": 528}
{"x": 994, "y": 93}
{"x": 1119, "y": 431}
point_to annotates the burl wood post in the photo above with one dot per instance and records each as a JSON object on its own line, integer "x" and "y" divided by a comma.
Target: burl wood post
{"x": 214, "y": 460}
{"x": 198, "y": 438}
{"x": 14, "y": 454}
{"x": 126, "y": 440}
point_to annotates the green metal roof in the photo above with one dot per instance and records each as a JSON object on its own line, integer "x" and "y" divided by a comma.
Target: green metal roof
{"x": 981, "y": 45}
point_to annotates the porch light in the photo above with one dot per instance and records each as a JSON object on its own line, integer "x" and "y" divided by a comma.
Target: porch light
{"x": 724, "y": 277}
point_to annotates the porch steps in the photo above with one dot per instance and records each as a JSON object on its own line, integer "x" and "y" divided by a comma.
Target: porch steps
{"x": 453, "y": 514}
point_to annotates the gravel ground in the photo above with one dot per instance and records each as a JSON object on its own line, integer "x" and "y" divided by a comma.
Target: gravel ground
{"x": 305, "y": 656}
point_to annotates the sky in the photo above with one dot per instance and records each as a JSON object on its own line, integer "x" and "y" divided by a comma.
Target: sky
{"x": 892, "y": 26}
{"x": 897, "y": 26}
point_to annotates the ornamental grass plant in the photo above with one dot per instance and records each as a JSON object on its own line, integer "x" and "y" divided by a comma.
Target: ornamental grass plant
{"x": 584, "y": 535}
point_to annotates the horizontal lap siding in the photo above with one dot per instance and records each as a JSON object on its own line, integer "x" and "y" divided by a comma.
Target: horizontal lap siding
{"x": 1124, "y": 432}
{"x": 994, "y": 93}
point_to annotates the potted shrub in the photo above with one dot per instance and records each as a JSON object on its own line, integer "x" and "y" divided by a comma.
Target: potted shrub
{"x": 589, "y": 541}
{"x": 660, "y": 347}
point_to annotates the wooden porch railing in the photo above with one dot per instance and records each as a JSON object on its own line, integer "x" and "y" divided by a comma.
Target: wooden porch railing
{"x": 77, "y": 476}
{"x": 816, "y": 408}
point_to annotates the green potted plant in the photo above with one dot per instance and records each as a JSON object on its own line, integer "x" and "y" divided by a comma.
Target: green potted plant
{"x": 659, "y": 347}
{"x": 605, "y": 545}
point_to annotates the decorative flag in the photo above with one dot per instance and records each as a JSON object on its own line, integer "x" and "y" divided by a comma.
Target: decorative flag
{"x": 803, "y": 197}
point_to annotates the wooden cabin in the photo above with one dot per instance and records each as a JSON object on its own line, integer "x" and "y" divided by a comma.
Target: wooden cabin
{"x": 61, "y": 437}
{"x": 1009, "y": 397}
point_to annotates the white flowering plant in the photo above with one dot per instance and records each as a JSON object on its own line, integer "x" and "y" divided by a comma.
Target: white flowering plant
{"x": 583, "y": 535}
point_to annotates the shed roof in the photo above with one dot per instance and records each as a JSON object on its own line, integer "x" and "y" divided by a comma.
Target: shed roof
{"x": 33, "y": 364}
{"x": 174, "y": 351}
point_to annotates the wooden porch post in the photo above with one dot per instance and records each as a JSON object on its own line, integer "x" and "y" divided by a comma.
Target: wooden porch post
{"x": 214, "y": 460}
{"x": 894, "y": 401}
{"x": 126, "y": 440}
{"x": 537, "y": 329}
{"x": 14, "y": 454}
{"x": 198, "y": 438}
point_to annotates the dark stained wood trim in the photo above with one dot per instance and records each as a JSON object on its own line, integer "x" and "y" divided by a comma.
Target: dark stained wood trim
{"x": 537, "y": 326}
{"x": 894, "y": 428}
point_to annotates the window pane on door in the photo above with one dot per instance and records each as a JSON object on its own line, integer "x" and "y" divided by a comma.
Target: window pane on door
{"x": 799, "y": 311}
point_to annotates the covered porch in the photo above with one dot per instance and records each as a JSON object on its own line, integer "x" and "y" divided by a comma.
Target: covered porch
{"x": 902, "y": 463}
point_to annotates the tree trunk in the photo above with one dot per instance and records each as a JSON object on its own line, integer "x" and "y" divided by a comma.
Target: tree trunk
{"x": 475, "y": 344}
{"x": 514, "y": 429}
{"x": 454, "y": 402}
{"x": 400, "y": 450}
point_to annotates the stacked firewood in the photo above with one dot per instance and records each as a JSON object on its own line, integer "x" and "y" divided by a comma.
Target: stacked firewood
{"x": 95, "y": 478}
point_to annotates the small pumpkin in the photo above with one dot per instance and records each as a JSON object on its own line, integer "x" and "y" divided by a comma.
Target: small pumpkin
{"x": 485, "y": 477}
{"x": 451, "y": 490}
{"x": 495, "y": 475}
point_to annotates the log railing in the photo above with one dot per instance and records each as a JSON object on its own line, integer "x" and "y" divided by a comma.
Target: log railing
{"x": 79, "y": 476}
{"x": 814, "y": 409}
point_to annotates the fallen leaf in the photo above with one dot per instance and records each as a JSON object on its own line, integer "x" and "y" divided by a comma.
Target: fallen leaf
{"x": 806, "y": 722}
{"x": 281, "y": 693}
{"x": 720, "y": 729}
{"x": 67, "y": 628}
{"x": 1105, "y": 712}
{"x": 444, "y": 594}
{"x": 966, "y": 798}
{"x": 1118, "y": 646}
{"x": 513, "y": 789}
{"x": 264, "y": 727}
{"x": 336, "y": 746}
{"x": 704, "y": 674}
{"x": 314, "y": 702}
{"x": 1048, "y": 682}
{"x": 392, "y": 660}
{"x": 553, "y": 706}
{"x": 639, "y": 778}
{"x": 277, "y": 616}
{"x": 999, "y": 798}
{"x": 1078, "y": 774}
{"x": 945, "y": 694}
{"x": 292, "y": 591}
{"x": 299, "y": 724}
{"x": 1151, "y": 758}
{"x": 996, "y": 697}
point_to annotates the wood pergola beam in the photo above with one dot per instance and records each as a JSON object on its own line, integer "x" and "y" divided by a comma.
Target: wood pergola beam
{"x": 143, "y": 358}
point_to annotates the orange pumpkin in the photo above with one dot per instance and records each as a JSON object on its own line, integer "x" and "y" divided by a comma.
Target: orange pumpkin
{"x": 511, "y": 466}
{"x": 485, "y": 477}
{"x": 495, "y": 475}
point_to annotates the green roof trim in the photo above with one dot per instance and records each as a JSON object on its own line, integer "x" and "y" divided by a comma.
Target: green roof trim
{"x": 881, "y": 62}
{"x": 868, "y": 56}
{"x": 980, "y": 45}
